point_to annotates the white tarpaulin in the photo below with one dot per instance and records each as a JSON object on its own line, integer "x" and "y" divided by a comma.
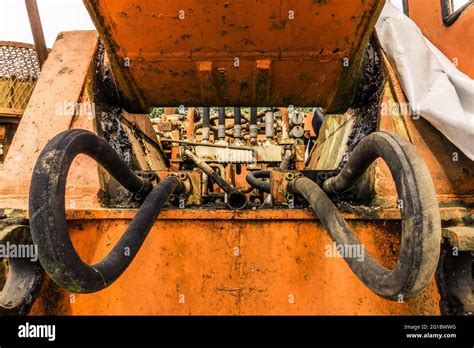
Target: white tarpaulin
{"x": 435, "y": 88}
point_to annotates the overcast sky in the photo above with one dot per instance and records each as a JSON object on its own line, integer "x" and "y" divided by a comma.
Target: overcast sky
{"x": 57, "y": 16}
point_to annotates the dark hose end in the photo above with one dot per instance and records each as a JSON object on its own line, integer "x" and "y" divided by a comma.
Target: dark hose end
{"x": 237, "y": 200}
{"x": 327, "y": 186}
{"x": 180, "y": 188}
{"x": 146, "y": 187}
{"x": 292, "y": 185}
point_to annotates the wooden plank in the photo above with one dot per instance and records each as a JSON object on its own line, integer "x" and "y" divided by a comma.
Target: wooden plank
{"x": 3, "y": 132}
{"x": 148, "y": 157}
{"x": 37, "y": 30}
{"x": 7, "y": 112}
{"x": 62, "y": 80}
{"x": 331, "y": 144}
{"x": 22, "y": 91}
{"x": 143, "y": 122}
{"x": 5, "y": 93}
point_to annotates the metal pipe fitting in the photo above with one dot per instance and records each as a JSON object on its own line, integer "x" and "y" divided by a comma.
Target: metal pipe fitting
{"x": 296, "y": 119}
{"x": 236, "y": 199}
{"x": 287, "y": 156}
{"x": 253, "y": 128}
{"x": 269, "y": 124}
{"x": 221, "y": 169}
{"x": 297, "y": 132}
{"x": 285, "y": 124}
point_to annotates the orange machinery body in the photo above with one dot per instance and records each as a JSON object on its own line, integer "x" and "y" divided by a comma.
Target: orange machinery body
{"x": 455, "y": 41}
{"x": 235, "y": 53}
{"x": 202, "y": 261}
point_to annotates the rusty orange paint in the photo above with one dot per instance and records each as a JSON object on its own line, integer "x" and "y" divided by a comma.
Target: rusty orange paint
{"x": 228, "y": 267}
{"x": 229, "y": 53}
{"x": 222, "y": 262}
{"x": 452, "y": 178}
{"x": 190, "y": 124}
{"x": 308, "y": 124}
{"x": 447, "y": 214}
{"x": 62, "y": 82}
{"x": 454, "y": 41}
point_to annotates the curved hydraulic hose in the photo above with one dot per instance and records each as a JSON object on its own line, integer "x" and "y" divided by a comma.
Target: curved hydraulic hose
{"x": 47, "y": 212}
{"x": 421, "y": 227}
{"x": 254, "y": 179}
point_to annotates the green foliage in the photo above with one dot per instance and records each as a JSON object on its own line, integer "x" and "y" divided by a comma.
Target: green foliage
{"x": 159, "y": 111}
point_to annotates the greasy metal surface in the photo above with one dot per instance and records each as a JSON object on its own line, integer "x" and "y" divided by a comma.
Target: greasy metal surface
{"x": 184, "y": 52}
{"x": 192, "y": 267}
{"x": 454, "y": 41}
{"x": 49, "y": 112}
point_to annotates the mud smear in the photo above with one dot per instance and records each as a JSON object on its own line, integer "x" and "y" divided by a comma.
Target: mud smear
{"x": 367, "y": 99}
{"x": 366, "y": 102}
{"x": 108, "y": 112}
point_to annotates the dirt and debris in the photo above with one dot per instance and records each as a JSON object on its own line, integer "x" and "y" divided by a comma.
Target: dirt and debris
{"x": 108, "y": 114}
{"x": 367, "y": 99}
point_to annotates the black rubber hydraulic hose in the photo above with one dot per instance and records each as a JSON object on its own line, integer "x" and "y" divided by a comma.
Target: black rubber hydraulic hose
{"x": 206, "y": 117}
{"x": 421, "y": 227}
{"x": 253, "y": 115}
{"x": 318, "y": 120}
{"x": 237, "y": 123}
{"x": 221, "y": 129}
{"x": 237, "y": 116}
{"x": 47, "y": 212}
{"x": 255, "y": 179}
